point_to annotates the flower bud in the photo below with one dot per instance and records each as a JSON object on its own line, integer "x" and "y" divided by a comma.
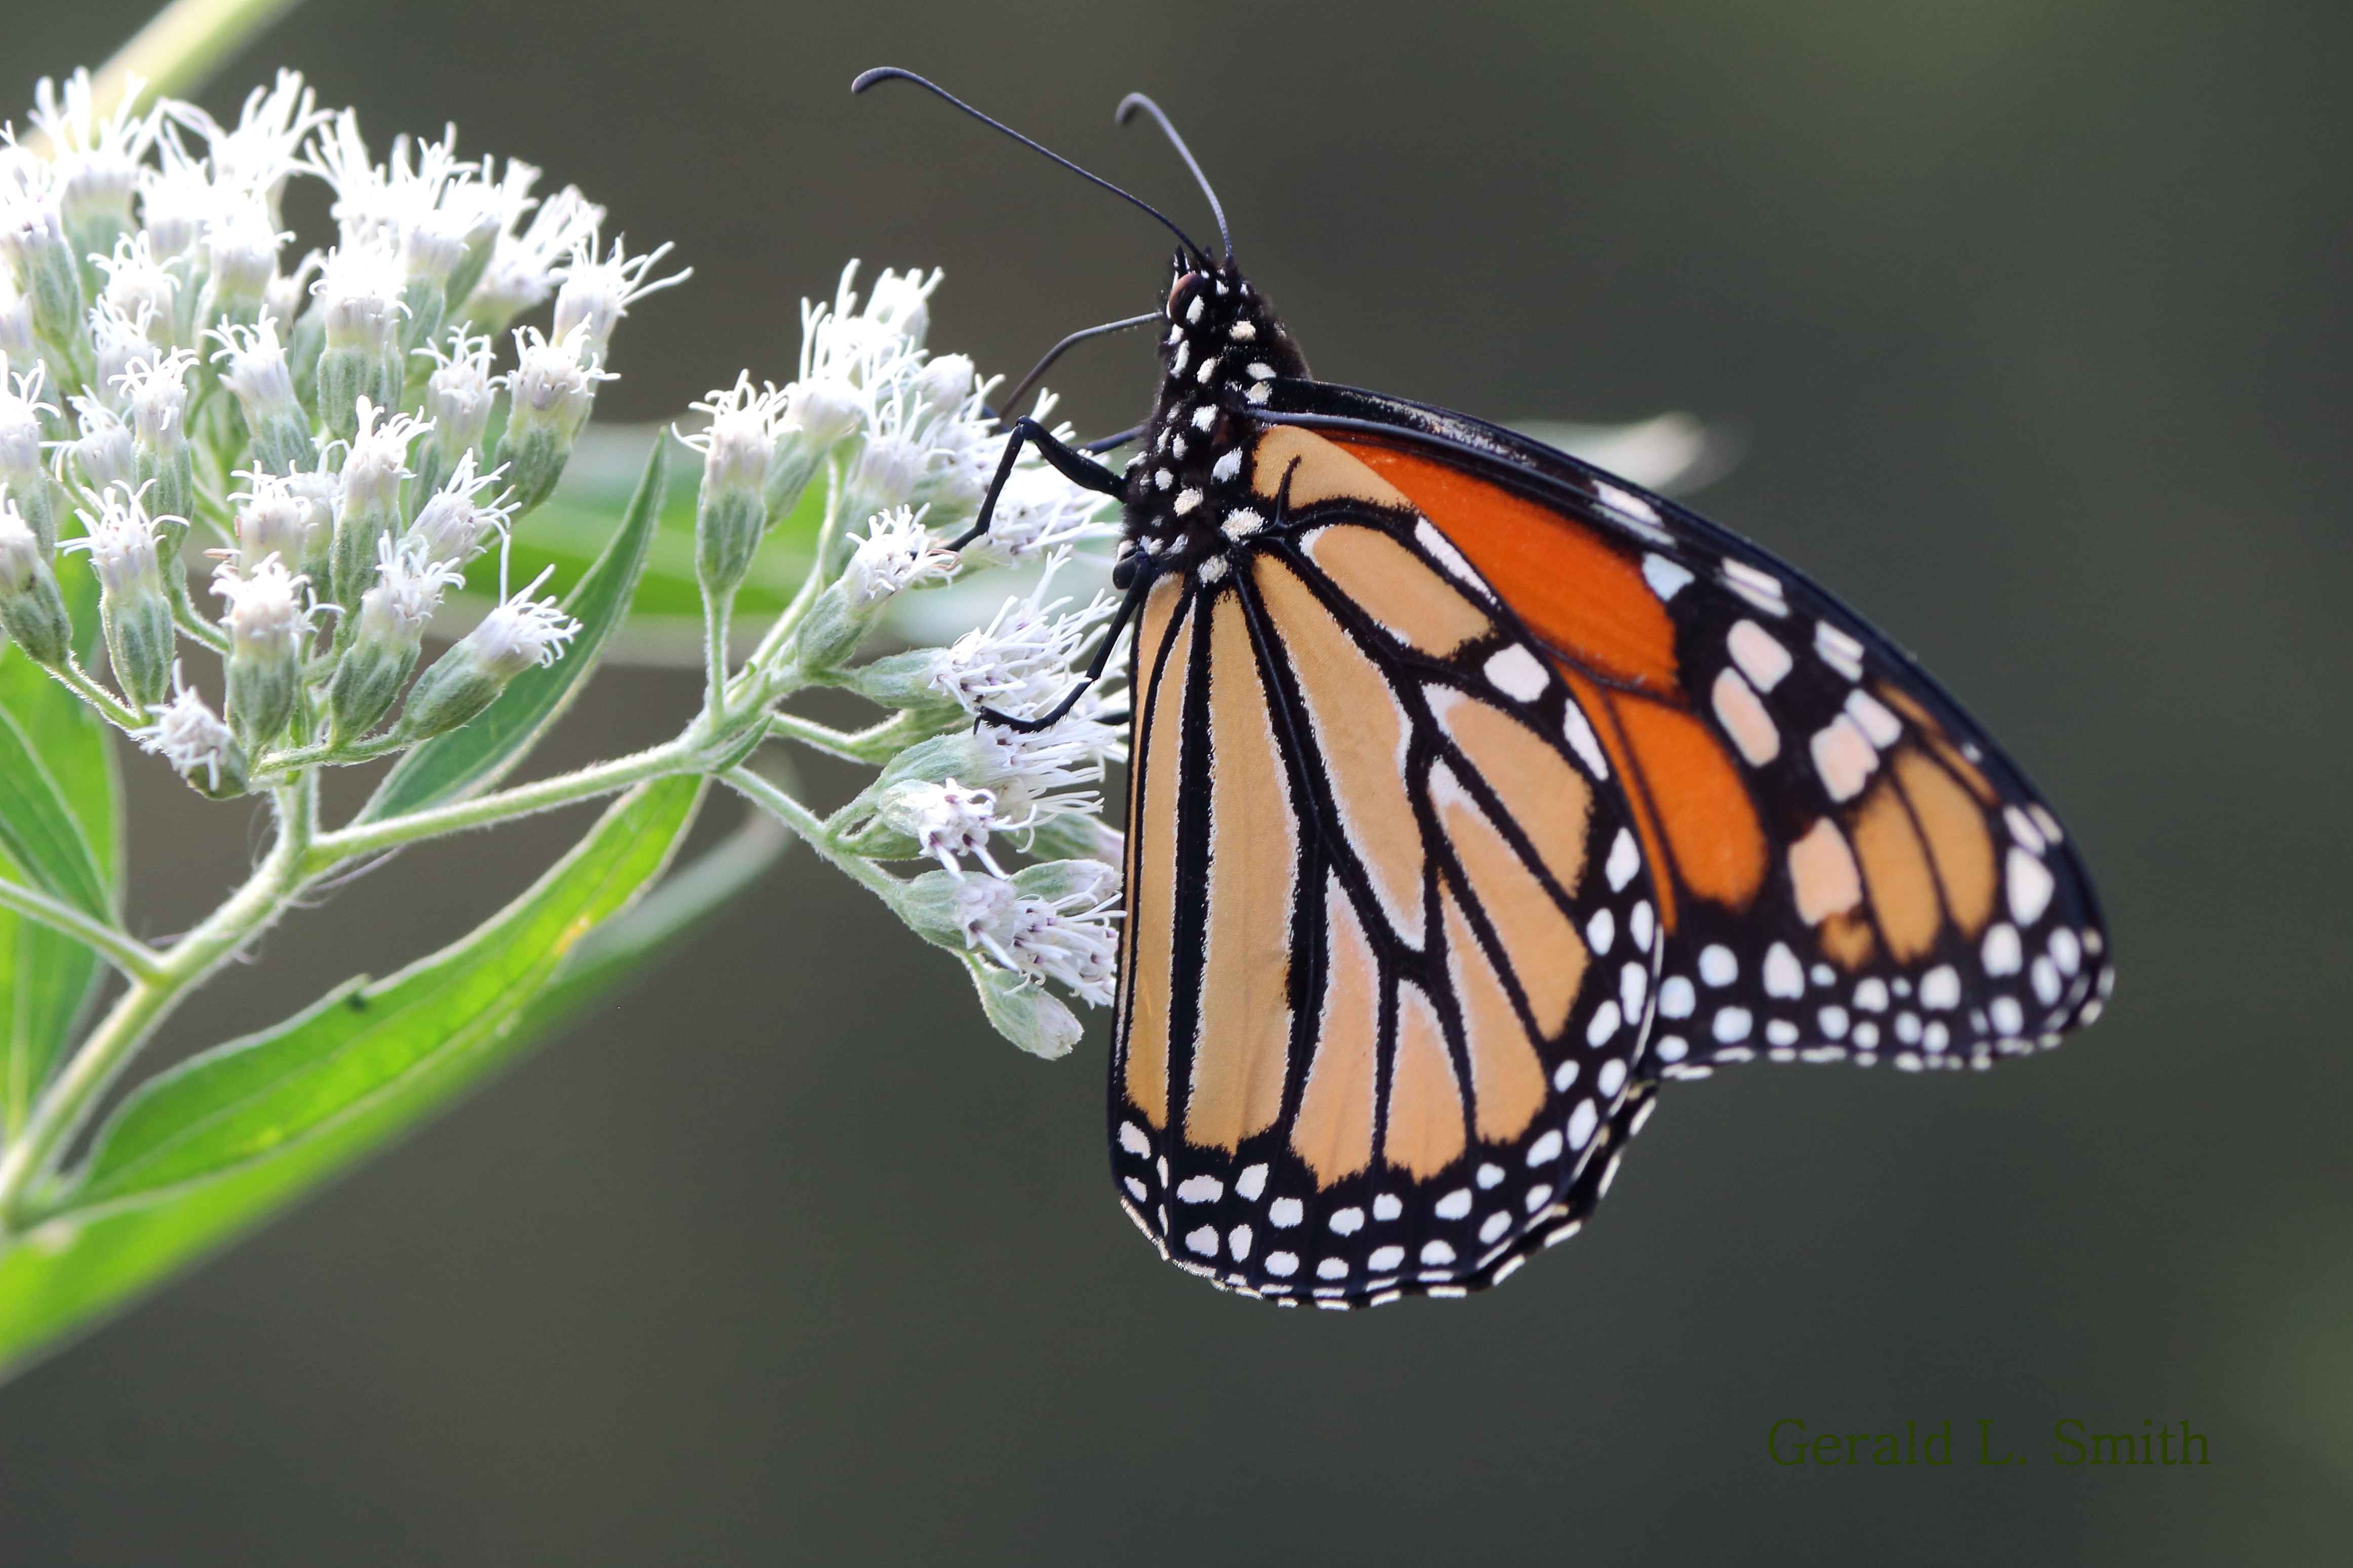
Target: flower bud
{"x": 953, "y": 910}
{"x": 268, "y": 625}
{"x": 385, "y": 638}
{"x": 943, "y": 383}
{"x": 904, "y": 681}
{"x": 271, "y": 520}
{"x": 597, "y": 294}
{"x": 96, "y": 157}
{"x": 360, "y": 356}
{"x": 32, "y": 611}
{"x": 241, "y": 255}
{"x": 1025, "y": 1012}
{"x": 158, "y": 398}
{"x": 132, "y": 609}
{"x": 33, "y": 242}
{"x": 731, "y": 512}
{"x": 321, "y": 495}
{"x": 370, "y": 509}
{"x": 454, "y": 524}
{"x": 188, "y": 735}
{"x": 102, "y": 457}
{"x": 22, "y": 477}
{"x": 140, "y": 288}
{"x": 18, "y": 342}
{"x": 263, "y": 382}
{"x": 901, "y": 304}
{"x": 512, "y": 638}
{"x": 458, "y": 395}
{"x": 549, "y": 393}
{"x": 194, "y": 741}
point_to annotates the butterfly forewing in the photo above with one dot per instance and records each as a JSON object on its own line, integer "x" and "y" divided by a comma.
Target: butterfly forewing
{"x": 1852, "y": 869}
{"x": 1392, "y": 937}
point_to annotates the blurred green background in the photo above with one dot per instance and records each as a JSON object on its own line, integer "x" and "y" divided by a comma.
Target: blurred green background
{"x": 2035, "y": 319}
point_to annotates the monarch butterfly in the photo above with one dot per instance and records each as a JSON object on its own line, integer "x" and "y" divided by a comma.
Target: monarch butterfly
{"x": 1474, "y": 792}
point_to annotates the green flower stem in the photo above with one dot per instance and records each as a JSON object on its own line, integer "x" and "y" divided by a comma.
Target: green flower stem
{"x": 811, "y": 827}
{"x": 873, "y": 746}
{"x": 151, "y": 998}
{"x": 137, "y": 960}
{"x": 757, "y": 685}
{"x": 325, "y": 754}
{"x": 684, "y": 754}
{"x": 192, "y": 623}
{"x": 110, "y": 707}
{"x": 715, "y": 611}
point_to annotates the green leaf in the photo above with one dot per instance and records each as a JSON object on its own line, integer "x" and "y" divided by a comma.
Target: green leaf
{"x": 475, "y": 756}
{"x": 38, "y": 829}
{"x": 47, "y": 978}
{"x": 210, "y": 1148}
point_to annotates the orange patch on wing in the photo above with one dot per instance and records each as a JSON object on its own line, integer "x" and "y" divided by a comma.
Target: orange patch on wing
{"x": 1895, "y": 871}
{"x": 1361, "y": 730}
{"x": 1423, "y": 1134}
{"x": 1546, "y": 798}
{"x": 1959, "y": 840}
{"x": 1152, "y": 867}
{"x": 1547, "y": 955}
{"x": 1507, "y": 1077}
{"x": 1576, "y": 592}
{"x": 1848, "y": 940}
{"x": 1703, "y": 809}
{"x": 1933, "y": 733}
{"x": 1332, "y": 1132}
{"x": 1603, "y": 716}
{"x": 1316, "y": 471}
{"x": 1392, "y": 585}
{"x": 1240, "y": 1053}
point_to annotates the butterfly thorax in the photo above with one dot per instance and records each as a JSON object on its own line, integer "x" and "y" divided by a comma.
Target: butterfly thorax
{"x": 1189, "y": 501}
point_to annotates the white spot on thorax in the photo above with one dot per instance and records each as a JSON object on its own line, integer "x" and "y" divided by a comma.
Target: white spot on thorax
{"x": 1204, "y": 416}
{"x": 1226, "y": 468}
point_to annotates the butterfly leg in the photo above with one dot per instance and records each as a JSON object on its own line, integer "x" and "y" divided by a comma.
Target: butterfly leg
{"x": 1076, "y": 466}
{"x": 1136, "y": 591}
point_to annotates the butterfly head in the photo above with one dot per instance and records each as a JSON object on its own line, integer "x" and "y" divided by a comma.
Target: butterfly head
{"x": 1221, "y": 351}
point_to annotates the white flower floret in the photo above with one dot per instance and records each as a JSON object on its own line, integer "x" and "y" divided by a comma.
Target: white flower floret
{"x": 378, "y": 459}
{"x": 103, "y": 456}
{"x": 186, "y": 733}
{"x": 896, "y": 553}
{"x": 1070, "y": 939}
{"x": 96, "y": 156}
{"x": 255, "y": 370}
{"x": 901, "y": 304}
{"x": 120, "y": 339}
{"x": 739, "y": 443}
{"x": 120, "y": 541}
{"x": 241, "y": 245}
{"x": 524, "y": 265}
{"x": 259, "y": 154}
{"x": 359, "y": 291}
{"x": 139, "y": 287}
{"x": 158, "y": 398}
{"x": 597, "y": 294}
{"x": 266, "y": 614}
{"x": 521, "y": 633}
{"x": 1020, "y": 663}
{"x": 16, "y": 339}
{"x": 892, "y": 462}
{"x": 554, "y": 381}
{"x": 273, "y": 518}
{"x": 407, "y": 591}
{"x": 20, "y": 425}
{"x": 460, "y": 392}
{"x": 1035, "y": 774}
{"x": 947, "y": 819}
{"x": 455, "y": 524}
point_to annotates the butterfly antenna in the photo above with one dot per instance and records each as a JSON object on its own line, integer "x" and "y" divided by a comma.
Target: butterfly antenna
{"x": 886, "y": 73}
{"x": 1127, "y": 108}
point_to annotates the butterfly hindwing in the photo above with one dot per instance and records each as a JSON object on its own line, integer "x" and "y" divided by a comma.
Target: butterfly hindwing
{"x": 1391, "y": 942}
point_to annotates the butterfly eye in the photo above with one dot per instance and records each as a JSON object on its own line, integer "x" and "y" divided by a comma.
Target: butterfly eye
{"x": 1176, "y": 292}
